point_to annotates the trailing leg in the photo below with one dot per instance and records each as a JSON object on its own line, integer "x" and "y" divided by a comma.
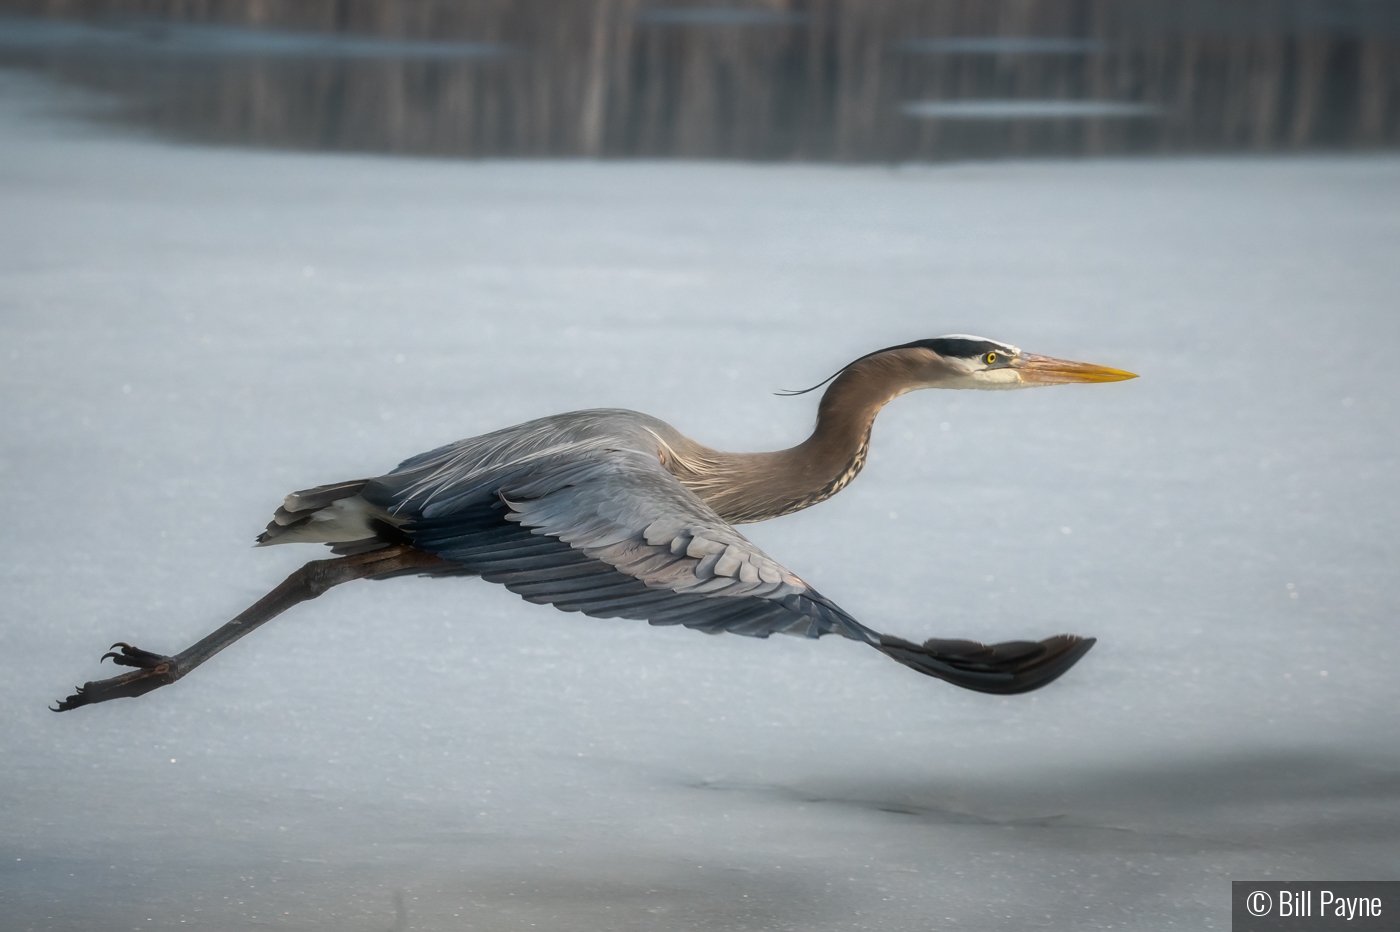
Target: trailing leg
{"x": 156, "y": 670}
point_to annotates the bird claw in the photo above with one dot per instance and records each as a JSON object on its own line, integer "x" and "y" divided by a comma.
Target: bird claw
{"x": 134, "y": 657}
{"x": 152, "y": 672}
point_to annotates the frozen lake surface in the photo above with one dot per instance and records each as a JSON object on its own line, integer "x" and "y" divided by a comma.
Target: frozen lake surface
{"x": 187, "y": 334}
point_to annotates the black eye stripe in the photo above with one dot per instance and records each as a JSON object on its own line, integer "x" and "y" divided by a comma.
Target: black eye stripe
{"x": 961, "y": 349}
{"x": 953, "y": 347}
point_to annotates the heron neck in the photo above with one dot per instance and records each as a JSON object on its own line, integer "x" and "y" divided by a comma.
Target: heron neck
{"x": 747, "y": 487}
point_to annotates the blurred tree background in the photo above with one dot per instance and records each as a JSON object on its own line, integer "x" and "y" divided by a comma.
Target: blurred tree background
{"x": 844, "y": 80}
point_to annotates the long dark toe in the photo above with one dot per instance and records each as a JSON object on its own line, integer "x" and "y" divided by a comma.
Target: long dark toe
{"x": 154, "y": 671}
{"x": 135, "y": 657}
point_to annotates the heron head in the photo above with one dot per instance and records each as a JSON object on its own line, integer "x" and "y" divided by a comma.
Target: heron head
{"x": 963, "y": 361}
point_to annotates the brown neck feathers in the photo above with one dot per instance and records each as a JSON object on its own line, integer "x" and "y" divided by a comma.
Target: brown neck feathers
{"x": 747, "y": 487}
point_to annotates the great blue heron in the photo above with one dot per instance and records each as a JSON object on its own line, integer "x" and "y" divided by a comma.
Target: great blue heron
{"x": 617, "y": 515}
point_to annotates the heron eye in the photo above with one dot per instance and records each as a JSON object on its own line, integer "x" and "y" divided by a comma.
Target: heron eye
{"x": 990, "y": 358}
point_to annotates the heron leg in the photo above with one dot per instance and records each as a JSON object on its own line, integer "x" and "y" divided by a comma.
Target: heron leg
{"x": 153, "y": 671}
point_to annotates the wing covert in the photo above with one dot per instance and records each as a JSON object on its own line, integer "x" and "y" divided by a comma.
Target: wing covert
{"x": 612, "y": 534}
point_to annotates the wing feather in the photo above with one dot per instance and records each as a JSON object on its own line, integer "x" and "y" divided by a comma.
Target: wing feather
{"x": 607, "y": 532}
{"x": 598, "y": 527}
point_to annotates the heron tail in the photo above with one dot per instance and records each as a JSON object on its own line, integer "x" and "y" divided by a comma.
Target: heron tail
{"x": 298, "y": 520}
{"x": 1003, "y": 669}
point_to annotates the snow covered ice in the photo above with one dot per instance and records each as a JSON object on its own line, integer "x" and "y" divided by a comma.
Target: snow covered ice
{"x": 188, "y": 333}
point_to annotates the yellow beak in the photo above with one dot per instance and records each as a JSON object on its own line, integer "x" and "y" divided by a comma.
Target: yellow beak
{"x": 1046, "y": 370}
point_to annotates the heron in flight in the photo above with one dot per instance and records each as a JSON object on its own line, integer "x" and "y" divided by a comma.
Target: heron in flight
{"x": 618, "y": 515}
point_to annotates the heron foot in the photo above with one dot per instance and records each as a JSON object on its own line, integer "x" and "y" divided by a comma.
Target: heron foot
{"x": 152, "y": 672}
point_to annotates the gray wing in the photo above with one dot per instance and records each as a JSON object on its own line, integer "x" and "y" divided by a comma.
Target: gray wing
{"x": 611, "y": 534}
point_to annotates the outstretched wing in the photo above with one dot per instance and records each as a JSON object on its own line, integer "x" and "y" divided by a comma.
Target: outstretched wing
{"x": 610, "y": 533}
